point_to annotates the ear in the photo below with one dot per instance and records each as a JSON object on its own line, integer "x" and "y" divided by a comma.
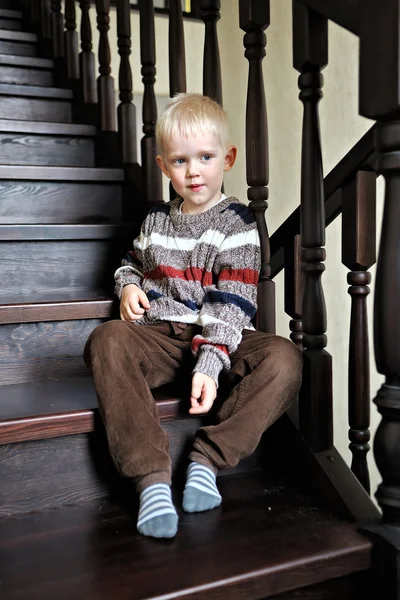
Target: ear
{"x": 162, "y": 166}
{"x": 230, "y": 158}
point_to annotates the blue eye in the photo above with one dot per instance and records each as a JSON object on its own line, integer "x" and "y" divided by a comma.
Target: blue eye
{"x": 179, "y": 161}
{"x": 206, "y": 157}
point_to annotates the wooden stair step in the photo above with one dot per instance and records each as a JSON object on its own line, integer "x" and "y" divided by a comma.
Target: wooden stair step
{"x": 46, "y": 409}
{"x": 17, "y": 36}
{"x": 22, "y": 233}
{"x": 13, "y": 25}
{"x": 44, "y": 128}
{"x": 25, "y": 70}
{"x": 60, "y": 173}
{"x": 25, "y": 61}
{"x": 266, "y": 539}
{"x": 35, "y": 103}
{"x": 10, "y": 14}
{"x": 17, "y": 48}
{"x": 53, "y": 306}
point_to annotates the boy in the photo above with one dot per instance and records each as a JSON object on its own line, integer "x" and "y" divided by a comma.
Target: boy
{"x": 188, "y": 293}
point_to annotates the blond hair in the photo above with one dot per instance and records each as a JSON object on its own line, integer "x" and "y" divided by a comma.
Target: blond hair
{"x": 192, "y": 114}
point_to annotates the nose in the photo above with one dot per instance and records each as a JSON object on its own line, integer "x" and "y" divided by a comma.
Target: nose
{"x": 192, "y": 169}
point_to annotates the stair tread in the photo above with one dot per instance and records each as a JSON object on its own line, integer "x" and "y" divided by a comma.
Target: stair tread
{"x": 62, "y": 232}
{"x": 50, "y": 128}
{"x": 60, "y": 173}
{"x": 10, "y": 14}
{"x": 17, "y": 36}
{"x": 44, "y": 409}
{"x": 25, "y": 61}
{"x": 265, "y": 539}
{"x": 55, "y": 306}
{"x": 35, "y": 91}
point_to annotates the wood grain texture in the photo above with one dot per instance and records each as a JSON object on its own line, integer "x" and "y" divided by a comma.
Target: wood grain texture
{"x": 46, "y": 150}
{"x": 18, "y": 48}
{"x": 60, "y": 173}
{"x": 56, "y": 311}
{"x": 268, "y": 541}
{"x": 25, "y": 76}
{"x": 33, "y": 109}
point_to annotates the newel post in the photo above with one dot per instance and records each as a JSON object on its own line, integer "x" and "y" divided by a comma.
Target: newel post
{"x": 380, "y": 100}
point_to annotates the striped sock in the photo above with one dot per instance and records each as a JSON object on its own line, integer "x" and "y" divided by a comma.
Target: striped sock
{"x": 157, "y": 515}
{"x": 201, "y": 492}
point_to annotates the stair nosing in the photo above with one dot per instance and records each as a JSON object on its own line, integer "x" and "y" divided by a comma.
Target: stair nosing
{"x": 14, "y": 60}
{"x": 39, "y": 173}
{"x": 13, "y": 15}
{"x": 64, "y": 310}
{"x": 35, "y": 91}
{"x": 22, "y": 36}
{"x": 46, "y": 128}
{"x": 55, "y": 232}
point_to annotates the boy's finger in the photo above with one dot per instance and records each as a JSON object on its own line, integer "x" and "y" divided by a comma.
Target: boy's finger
{"x": 143, "y": 299}
{"x": 196, "y": 389}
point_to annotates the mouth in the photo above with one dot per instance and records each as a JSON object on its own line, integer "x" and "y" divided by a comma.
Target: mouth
{"x": 196, "y": 187}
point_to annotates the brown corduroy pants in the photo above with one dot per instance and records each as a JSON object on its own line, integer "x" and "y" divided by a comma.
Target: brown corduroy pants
{"x": 128, "y": 360}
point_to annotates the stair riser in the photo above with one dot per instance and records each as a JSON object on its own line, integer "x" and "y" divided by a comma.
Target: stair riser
{"x": 16, "y": 48}
{"x": 10, "y": 24}
{"x": 28, "y": 149}
{"x": 25, "y": 76}
{"x": 48, "y": 202}
{"x": 33, "y": 109}
{"x": 64, "y": 265}
{"x": 37, "y": 351}
{"x": 73, "y": 469}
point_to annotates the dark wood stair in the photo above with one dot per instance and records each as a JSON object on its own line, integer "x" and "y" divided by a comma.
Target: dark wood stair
{"x": 10, "y": 19}
{"x": 267, "y": 539}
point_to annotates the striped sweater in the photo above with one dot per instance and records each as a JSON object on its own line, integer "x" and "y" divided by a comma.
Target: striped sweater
{"x": 200, "y": 269}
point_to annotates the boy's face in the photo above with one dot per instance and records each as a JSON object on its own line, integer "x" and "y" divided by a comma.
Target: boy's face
{"x": 196, "y": 166}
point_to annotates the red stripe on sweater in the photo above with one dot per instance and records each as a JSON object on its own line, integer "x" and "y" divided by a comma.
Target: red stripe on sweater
{"x": 191, "y": 274}
{"x": 197, "y": 342}
{"x": 249, "y": 276}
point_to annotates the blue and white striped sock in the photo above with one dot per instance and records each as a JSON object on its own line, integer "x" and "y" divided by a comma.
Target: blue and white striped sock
{"x": 157, "y": 515}
{"x": 201, "y": 492}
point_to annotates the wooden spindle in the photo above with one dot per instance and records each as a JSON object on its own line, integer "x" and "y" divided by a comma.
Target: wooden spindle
{"x": 254, "y": 19}
{"x": 212, "y": 82}
{"x": 152, "y": 187}
{"x": 86, "y": 57}
{"x": 176, "y": 46}
{"x": 45, "y": 28}
{"x": 57, "y": 30}
{"x": 294, "y": 289}
{"x": 71, "y": 41}
{"x": 126, "y": 110}
{"x": 310, "y": 55}
{"x": 358, "y": 254}
{"x": 105, "y": 83}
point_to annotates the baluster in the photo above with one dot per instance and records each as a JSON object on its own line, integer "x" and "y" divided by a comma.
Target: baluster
{"x": 212, "y": 83}
{"x": 294, "y": 289}
{"x": 126, "y": 110}
{"x": 45, "y": 44}
{"x": 152, "y": 188}
{"x": 105, "y": 83}
{"x": 34, "y": 15}
{"x": 176, "y": 46}
{"x": 57, "y": 29}
{"x": 358, "y": 254}
{"x": 310, "y": 53}
{"x": 87, "y": 58}
{"x": 71, "y": 41}
{"x": 254, "y": 18}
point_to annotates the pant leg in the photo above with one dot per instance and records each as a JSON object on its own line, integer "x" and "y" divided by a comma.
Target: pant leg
{"x": 126, "y": 361}
{"x": 265, "y": 379}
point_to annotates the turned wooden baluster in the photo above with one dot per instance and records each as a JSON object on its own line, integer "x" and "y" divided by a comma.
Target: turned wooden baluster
{"x": 71, "y": 41}
{"x": 254, "y": 19}
{"x": 176, "y": 45}
{"x": 57, "y": 30}
{"x": 294, "y": 289}
{"x": 126, "y": 110}
{"x": 105, "y": 83}
{"x": 358, "y": 254}
{"x": 310, "y": 55}
{"x": 45, "y": 28}
{"x": 151, "y": 174}
{"x": 212, "y": 82}
{"x": 86, "y": 57}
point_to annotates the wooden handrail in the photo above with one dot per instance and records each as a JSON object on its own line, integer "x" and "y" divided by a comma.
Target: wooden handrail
{"x": 342, "y": 12}
{"x": 362, "y": 155}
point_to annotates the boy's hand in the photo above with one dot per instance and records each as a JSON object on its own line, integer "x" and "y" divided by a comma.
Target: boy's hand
{"x": 204, "y": 392}
{"x": 134, "y": 302}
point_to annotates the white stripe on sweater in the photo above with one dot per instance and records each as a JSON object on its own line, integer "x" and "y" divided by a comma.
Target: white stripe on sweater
{"x": 210, "y": 237}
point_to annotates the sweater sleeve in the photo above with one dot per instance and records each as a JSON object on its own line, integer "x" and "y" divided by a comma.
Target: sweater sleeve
{"x": 131, "y": 270}
{"x": 230, "y": 302}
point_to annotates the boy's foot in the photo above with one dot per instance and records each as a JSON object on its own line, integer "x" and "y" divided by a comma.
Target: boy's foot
{"x": 157, "y": 515}
{"x": 201, "y": 492}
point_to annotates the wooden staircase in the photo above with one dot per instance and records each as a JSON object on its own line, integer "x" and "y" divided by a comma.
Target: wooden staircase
{"x": 282, "y": 531}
